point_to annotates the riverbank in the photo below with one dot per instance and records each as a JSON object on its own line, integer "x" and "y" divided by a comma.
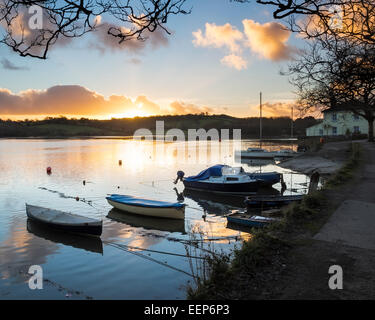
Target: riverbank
{"x": 290, "y": 260}
{"x": 328, "y": 159}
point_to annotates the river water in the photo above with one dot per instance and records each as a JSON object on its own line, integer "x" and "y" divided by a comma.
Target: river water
{"x": 135, "y": 258}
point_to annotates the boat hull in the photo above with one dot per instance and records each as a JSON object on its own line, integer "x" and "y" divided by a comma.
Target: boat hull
{"x": 92, "y": 228}
{"x": 248, "y": 222}
{"x": 266, "y": 179}
{"x": 166, "y": 212}
{"x": 256, "y": 155}
{"x": 227, "y": 188}
{"x": 258, "y": 202}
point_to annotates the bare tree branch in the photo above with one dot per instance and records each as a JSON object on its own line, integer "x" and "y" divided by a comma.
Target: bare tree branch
{"x": 64, "y": 20}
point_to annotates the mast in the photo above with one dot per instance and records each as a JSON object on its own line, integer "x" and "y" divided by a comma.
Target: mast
{"x": 260, "y": 120}
{"x": 291, "y": 130}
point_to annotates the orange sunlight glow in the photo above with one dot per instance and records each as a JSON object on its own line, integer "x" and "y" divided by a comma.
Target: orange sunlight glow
{"x": 132, "y": 113}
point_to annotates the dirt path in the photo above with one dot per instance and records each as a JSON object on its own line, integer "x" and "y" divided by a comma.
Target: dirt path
{"x": 347, "y": 239}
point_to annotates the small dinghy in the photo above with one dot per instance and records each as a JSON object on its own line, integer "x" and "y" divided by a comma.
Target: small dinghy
{"x": 247, "y": 220}
{"x": 65, "y": 221}
{"x": 272, "y": 201}
{"x": 147, "y": 207}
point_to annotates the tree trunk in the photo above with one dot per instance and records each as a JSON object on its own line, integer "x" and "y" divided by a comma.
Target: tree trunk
{"x": 370, "y": 129}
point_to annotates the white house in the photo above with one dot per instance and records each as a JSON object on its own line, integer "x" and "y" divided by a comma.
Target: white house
{"x": 338, "y": 122}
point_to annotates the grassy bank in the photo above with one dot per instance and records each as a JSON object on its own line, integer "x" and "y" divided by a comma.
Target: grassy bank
{"x": 261, "y": 258}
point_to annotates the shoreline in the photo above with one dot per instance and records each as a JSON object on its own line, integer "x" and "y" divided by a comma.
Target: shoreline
{"x": 271, "y": 139}
{"x": 291, "y": 259}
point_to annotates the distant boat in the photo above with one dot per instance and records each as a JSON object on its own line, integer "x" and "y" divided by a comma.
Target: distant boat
{"x": 147, "y": 207}
{"x": 256, "y": 153}
{"x": 285, "y": 153}
{"x": 271, "y": 201}
{"x": 221, "y": 179}
{"x": 244, "y": 219}
{"x": 65, "y": 221}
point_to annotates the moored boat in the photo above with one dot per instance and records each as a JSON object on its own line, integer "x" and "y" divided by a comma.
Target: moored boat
{"x": 272, "y": 201}
{"x": 147, "y": 207}
{"x": 221, "y": 179}
{"x": 255, "y": 153}
{"x": 244, "y": 219}
{"x": 65, "y": 221}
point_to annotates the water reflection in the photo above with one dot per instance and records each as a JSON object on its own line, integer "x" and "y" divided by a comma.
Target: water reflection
{"x": 145, "y": 173}
{"x": 92, "y": 244}
{"x": 150, "y": 223}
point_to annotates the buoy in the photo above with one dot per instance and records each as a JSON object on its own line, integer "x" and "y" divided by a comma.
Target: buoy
{"x": 120, "y": 162}
{"x": 118, "y": 187}
{"x": 49, "y": 170}
{"x": 77, "y": 198}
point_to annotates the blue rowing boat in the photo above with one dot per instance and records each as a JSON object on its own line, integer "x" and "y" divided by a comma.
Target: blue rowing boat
{"x": 147, "y": 207}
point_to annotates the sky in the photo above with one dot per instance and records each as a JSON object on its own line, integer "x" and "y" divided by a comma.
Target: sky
{"x": 217, "y": 60}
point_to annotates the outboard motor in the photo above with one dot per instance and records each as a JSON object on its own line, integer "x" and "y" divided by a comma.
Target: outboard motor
{"x": 180, "y": 176}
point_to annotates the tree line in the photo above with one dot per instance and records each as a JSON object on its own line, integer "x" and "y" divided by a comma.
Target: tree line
{"x": 61, "y": 126}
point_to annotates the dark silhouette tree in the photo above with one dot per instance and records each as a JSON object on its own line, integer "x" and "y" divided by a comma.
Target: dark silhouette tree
{"x": 334, "y": 73}
{"x": 312, "y": 18}
{"x": 32, "y": 27}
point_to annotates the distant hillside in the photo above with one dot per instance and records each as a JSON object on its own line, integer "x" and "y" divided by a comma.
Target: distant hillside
{"x": 63, "y": 127}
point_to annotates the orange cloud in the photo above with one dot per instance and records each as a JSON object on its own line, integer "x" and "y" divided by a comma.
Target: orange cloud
{"x": 218, "y": 36}
{"x": 103, "y": 41}
{"x": 234, "y": 61}
{"x": 276, "y": 109}
{"x": 75, "y": 100}
{"x": 268, "y": 39}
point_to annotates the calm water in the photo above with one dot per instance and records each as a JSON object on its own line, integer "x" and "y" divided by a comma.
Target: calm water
{"x": 76, "y": 268}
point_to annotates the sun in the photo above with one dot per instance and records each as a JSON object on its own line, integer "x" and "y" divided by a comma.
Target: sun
{"x": 139, "y": 112}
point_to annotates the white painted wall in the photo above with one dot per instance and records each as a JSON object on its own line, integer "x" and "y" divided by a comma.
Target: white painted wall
{"x": 338, "y": 123}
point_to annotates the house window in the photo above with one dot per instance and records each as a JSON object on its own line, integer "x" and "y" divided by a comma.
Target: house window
{"x": 356, "y": 129}
{"x": 320, "y": 132}
{"x": 334, "y": 116}
{"x": 334, "y": 131}
{"x": 355, "y": 116}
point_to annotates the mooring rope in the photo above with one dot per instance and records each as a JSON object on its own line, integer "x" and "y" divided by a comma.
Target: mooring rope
{"x": 151, "y": 259}
{"x": 150, "y": 250}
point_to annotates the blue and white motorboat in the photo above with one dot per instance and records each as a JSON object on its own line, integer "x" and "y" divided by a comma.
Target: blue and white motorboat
{"x": 230, "y": 180}
{"x": 147, "y": 207}
{"x": 266, "y": 179}
{"x": 221, "y": 179}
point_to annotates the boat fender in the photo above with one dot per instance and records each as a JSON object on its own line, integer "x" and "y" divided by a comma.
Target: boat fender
{"x": 180, "y": 176}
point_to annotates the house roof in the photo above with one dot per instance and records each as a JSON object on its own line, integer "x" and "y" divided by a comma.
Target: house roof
{"x": 340, "y": 107}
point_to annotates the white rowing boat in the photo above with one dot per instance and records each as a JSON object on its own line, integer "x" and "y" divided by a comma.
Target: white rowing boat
{"x": 64, "y": 221}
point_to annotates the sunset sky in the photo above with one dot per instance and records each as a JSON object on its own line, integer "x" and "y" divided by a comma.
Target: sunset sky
{"x": 217, "y": 60}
